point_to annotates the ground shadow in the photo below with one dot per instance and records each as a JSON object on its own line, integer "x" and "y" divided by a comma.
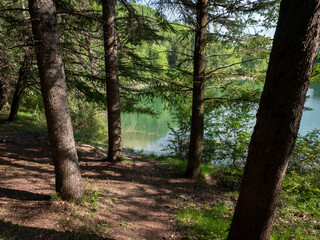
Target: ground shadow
{"x": 11, "y": 231}
{"x": 22, "y": 195}
{"x": 138, "y": 196}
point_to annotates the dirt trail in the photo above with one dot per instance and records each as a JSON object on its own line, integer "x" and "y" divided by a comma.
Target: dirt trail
{"x": 133, "y": 199}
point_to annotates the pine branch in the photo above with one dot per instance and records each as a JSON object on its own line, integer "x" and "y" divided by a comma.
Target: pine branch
{"x": 227, "y": 66}
{"x": 225, "y": 99}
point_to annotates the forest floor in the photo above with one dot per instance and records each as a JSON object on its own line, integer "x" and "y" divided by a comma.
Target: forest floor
{"x": 136, "y": 198}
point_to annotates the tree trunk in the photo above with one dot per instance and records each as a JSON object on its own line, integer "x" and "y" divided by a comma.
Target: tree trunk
{"x": 291, "y": 61}
{"x": 111, "y": 68}
{"x": 88, "y": 47}
{"x": 54, "y": 93}
{"x": 196, "y": 135}
{"x": 90, "y": 53}
{"x": 3, "y": 94}
{"x": 17, "y": 96}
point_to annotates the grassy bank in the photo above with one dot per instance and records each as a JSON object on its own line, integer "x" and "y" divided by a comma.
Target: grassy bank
{"x": 298, "y": 213}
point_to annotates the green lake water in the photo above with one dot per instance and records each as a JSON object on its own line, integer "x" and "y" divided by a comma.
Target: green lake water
{"x": 144, "y": 133}
{"x": 311, "y": 119}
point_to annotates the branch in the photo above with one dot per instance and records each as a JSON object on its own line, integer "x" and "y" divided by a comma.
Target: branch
{"x": 216, "y": 87}
{"x": 240, "y": 52}
{"x": 315, "y": 74}
{"x": 224, "y": 99}
{"x": 13, "y": 9}
{"x": 180, "y": 53}
{"x": 76, "y": 13}
{"x": 233, "y": 64}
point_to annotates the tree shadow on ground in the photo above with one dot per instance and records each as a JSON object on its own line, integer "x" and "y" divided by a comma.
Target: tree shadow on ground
{"x": 138, "y": 198}
{"x": 22, "y": 195}
{"x": 11, "y": 231}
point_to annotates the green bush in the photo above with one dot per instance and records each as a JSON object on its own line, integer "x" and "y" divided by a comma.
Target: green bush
{"x": 89, "y": 122}
{"x": 306, "y": 153}
{"x": 226, "y": 137}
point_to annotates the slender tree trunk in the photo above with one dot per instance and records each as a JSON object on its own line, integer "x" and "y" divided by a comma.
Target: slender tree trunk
{"x": 23, "y": 76}
{"x": 3, "y": 94}
{"x": 88, "y": 46}
{"x": 54, "y": 92}
{"x": 90, "y": 53}
{"x": 291, "y": 61}
{"x": 196, "y": 136}
{"x": 111, "y": 67}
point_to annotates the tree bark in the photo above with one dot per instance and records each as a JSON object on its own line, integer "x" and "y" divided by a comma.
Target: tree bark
{"x": 23, "y": 76}
{"x": 4, "y": 103}
{"x": 54, "y": 93}
{"x": 112, "y": 82}
{"x": 291, "y": 61}
{"x": 90, "y": 53}
{"x": 197, "y": 120}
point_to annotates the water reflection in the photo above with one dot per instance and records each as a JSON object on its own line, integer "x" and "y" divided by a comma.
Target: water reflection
{"x": 310, "y": 119}
{"x": 151, "y": 135}
{"x": 315, "y": 88}
{"x": 145, "y": 133}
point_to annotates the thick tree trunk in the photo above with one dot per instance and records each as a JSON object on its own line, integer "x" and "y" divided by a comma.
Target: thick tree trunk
{"x": 196, "y": 135}
{"x": 17, "y": 96}
{"x": 3, "y": 94}
{"x": 291, "y": 61}
{"x": 54, "y": 92}
{"x": 111, "y": 68}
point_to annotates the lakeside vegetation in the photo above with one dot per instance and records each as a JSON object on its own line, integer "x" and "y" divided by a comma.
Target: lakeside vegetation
{"x": 209, "y": 70}
{"x": 297, "y": 217}
{"x": 298, "y": 214}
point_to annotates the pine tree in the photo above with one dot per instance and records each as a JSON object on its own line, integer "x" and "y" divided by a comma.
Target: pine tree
{"x": 54, "y": 92}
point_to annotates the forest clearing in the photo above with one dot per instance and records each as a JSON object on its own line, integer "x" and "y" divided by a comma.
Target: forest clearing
{"x": 230, "y": 94}
{"x": 139, "y": 197}
{"x": 135, "y": 198}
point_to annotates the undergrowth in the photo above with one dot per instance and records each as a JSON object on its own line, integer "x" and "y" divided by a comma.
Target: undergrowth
{"x": 32, "y": 122}
{"x": 298, "y": 214}
{"x": 205, "y": 222}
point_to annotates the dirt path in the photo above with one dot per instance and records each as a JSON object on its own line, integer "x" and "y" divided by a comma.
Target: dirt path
{"x": 133, "y": 199}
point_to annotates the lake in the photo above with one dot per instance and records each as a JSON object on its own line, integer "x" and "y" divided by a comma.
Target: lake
{"x": 311, "y": 119}
{"x": 150, "y": 135}
{"x": 145, "y": 133}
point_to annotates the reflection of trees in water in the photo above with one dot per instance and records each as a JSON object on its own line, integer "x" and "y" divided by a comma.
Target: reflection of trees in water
{"x": 142, "y": 130}
{"x": 140, "y": 139}
{"x": 146, "y": 123}
{"x": 309, "y": 119}
{"x": 315, "y": 86}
